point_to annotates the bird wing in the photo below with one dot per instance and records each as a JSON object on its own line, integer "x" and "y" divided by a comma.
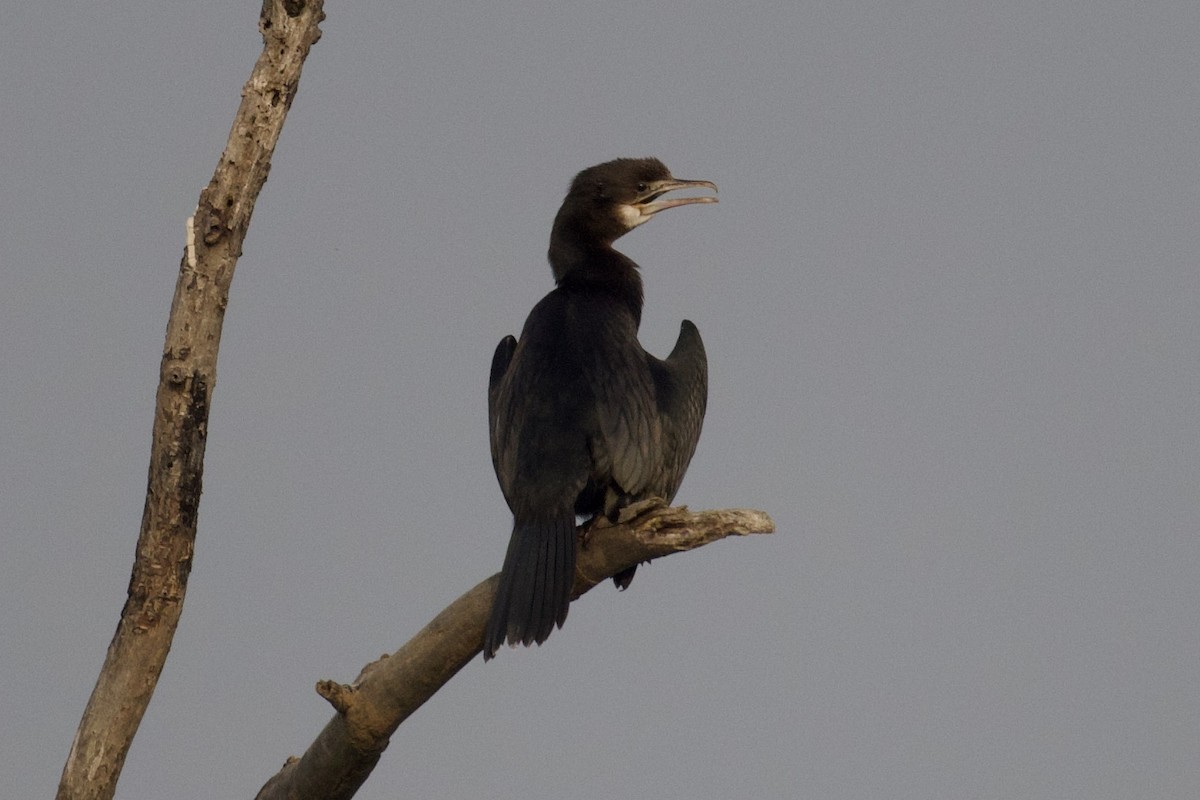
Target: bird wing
{"x": 498, "y": 408}
{"x": 538, "y": 412}
{"x": 626, "y": 439}
{"x": 681, "y": 387}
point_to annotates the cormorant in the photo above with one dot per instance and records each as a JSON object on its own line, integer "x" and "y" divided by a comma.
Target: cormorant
{"x": 583, "y": 421}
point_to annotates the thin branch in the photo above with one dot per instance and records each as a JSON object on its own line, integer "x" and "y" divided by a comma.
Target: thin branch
{"x": 387, "y": 691}
{"x": 188, "y": 373}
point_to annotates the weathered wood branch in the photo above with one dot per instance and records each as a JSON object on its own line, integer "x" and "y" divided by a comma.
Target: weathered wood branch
{"x": 387, "y": 691}
{"x": 188, "y": 373}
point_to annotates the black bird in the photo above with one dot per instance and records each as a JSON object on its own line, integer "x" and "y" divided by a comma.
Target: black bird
{"x": 583, "y": 421}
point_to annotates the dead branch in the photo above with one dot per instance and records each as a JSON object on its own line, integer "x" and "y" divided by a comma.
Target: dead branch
{"x": 188, "y": 373}
{"x": 387, "y": 691}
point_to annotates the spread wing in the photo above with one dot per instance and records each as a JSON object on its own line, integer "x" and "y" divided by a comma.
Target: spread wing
{"x": 499, "y": 413}
{"x": 681, "y": 386}
{"x": 641, "y": 417}
{"x": 627, "y": 442}
{"x": 539, "y": 415}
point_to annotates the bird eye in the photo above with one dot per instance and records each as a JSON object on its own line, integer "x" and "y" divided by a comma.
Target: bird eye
{"x": 641, "y": 187}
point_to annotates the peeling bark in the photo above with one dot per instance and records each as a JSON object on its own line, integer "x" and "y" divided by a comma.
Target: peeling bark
{"x": 389, "y": 690}
{"x": 188, "y": 373}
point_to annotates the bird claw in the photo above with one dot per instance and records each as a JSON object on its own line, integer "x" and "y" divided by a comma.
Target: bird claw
{"x": 623, "y": 516}
{"x": 640, "y": 507}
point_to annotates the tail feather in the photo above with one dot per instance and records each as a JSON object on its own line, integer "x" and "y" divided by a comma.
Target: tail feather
{"x": 535, "y": 583}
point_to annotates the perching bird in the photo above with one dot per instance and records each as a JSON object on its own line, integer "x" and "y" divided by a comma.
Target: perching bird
{"x": 583, "y": 421}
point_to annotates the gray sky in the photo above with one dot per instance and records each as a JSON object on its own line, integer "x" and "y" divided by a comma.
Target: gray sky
{"x": 949, "y": 298}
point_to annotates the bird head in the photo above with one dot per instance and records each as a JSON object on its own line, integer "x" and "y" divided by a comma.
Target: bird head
{"x": 608, "y": 200}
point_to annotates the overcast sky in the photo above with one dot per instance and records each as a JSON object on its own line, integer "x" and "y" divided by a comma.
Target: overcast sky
{"x": 949, "y": 298}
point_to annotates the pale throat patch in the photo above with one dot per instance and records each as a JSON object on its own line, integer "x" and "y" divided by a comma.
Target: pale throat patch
{"x": 632, "y": 216}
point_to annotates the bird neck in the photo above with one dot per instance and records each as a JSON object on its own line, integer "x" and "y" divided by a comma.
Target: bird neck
{"x": 596, "y": 268}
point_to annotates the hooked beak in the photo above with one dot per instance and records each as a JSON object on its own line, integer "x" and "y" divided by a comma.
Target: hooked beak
{"x": 648, "y": 203}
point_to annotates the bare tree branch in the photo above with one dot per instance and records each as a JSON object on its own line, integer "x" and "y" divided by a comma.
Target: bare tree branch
{"x": 188, "y": 373}
{"x": 387, "y": 691}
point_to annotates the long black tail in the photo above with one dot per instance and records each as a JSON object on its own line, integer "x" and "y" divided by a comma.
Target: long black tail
{"x": 535, "y": 584}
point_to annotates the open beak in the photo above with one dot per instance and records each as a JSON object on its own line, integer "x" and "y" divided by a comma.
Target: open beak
{"x": 648, "y": 203}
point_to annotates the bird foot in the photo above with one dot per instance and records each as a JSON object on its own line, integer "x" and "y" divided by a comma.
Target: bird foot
{"x": 623, "y": 515}
{"x": 632, "y": 510}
